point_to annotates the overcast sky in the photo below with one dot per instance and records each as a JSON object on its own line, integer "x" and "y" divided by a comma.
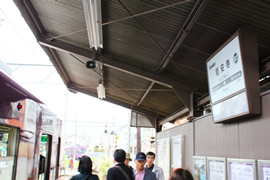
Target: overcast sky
{"x": 18, "y": 46}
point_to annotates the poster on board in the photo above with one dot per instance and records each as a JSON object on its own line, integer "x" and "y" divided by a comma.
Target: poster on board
{"x": 264, "y": 169}
{"x": 163, "y": 146}
{"x": 177, "y": 146}
{"x": 216, "y": 168}
{"x": 199, "y": 167}
{"x": 241, "y": 169}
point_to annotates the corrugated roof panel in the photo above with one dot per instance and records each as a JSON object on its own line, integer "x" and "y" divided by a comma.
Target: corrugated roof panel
{"x": 119, "y": 44}
{"x": 164, "y": 101}
{"x": 65, "y": 19}
{"x": 223, "y": 18}
{"x": 77, "y": 71}
{"x": 129, "y": 33}
{"x": 62, "y": 13}
{"x": 187, "y": 75}
{"x": 124, "y": 85}
{"x": 191, "y": 57}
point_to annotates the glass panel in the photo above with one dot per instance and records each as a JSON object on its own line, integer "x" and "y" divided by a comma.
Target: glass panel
{"x": 44, "y": 158}
{"x": 138, "y": 120}
{"x": 3, "y": 144}
{"x": 8, "y": 150}
{"x": 81, "y": 151}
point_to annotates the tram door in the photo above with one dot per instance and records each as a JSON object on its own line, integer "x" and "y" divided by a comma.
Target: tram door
{"x": 45, "y": 157}
{"x": 8, "y": 151}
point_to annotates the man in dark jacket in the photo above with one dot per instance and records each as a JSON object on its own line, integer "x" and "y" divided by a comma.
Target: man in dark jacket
{"x": 142, "y": 173}
{"x": 120, "y": 171}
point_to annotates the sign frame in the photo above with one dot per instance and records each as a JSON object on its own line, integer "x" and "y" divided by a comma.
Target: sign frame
{"x": 248, "y": 75}
{"x": 260, "y": 164}
{"x": 164, "y": 152}
{"x": 216, "y": 159}
{"x": 244, "y": 162}
{"x": 203, "y": 160}
{"x": 181, "y": 138}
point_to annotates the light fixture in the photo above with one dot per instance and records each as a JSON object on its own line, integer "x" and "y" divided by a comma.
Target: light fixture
{"x": 101, "y": 91}
{"x": 92, "y": 13}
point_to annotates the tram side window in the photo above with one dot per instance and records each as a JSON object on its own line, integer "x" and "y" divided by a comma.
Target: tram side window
{"x": 3, "y": 144}
{"x": 8, "y": 151}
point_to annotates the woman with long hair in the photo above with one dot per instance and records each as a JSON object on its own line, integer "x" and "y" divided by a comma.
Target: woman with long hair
{"x": 85, "y": 169}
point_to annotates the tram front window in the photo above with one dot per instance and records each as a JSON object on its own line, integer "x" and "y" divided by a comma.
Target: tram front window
{"x": 8, "y": 150}
{"x": 81, "y": 151}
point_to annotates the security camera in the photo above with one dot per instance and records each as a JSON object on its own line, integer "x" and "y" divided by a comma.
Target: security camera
{"x": 91, "y": 64}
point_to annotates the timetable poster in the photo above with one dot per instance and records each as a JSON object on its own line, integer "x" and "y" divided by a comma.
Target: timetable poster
{"x": 266, "y": 172}
{"x": 177, "y": 151}
{"x": 164, "y": 156}
{"x": 217, "y": 169}
{"x": 241, "y": 171}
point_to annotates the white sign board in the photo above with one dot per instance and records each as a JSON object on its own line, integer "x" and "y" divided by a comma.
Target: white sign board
{"x": 216, "y": 168}
{"x": 233, "y": 77}
{"x": 266, "y": 172}
{"x": 264, "y": 169}
{"x": 163, "y": 146}
{"x": 241, "y": 169}
{"x": 177, "y": 151}
{"x": 225, "y": 72}
{"x": 231, "y": 107}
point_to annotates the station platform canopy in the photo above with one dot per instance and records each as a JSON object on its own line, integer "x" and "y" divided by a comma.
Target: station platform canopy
{"x": 149, "y": 55}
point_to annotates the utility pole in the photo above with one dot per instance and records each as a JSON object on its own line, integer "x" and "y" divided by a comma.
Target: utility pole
{"x": 76, "y": 126}
{"x": 107, "y": 131}
{"x": 64, "y": 128}
{"x": 138, "y": 139}
{"x": 128, "y": 150}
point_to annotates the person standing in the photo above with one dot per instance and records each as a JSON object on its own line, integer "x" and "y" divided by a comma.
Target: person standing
{"x": 120, "y": 171}
{"x": 141, "y": 173}
{"x": 62, "y": 166}
{"x": 128, "y": 159}
{"x": 71, "y": 162}
{"x": 150, "y": 158}
{"x": 85, "y": 169}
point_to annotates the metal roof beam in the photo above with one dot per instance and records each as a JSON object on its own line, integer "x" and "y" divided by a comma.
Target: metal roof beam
{"x": 173, "y": 116}
{"x": 192, "y": 18}
{"x": 143, "y": 13}
{"x": 145, "y": 94}
{"x": 185, "y": 97}
{"x": 109, "y": 62}
{"x": 30, "y": 16}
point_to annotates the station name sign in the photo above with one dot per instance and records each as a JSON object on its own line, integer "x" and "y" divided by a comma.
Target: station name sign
{"x": 233, "y": 77}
